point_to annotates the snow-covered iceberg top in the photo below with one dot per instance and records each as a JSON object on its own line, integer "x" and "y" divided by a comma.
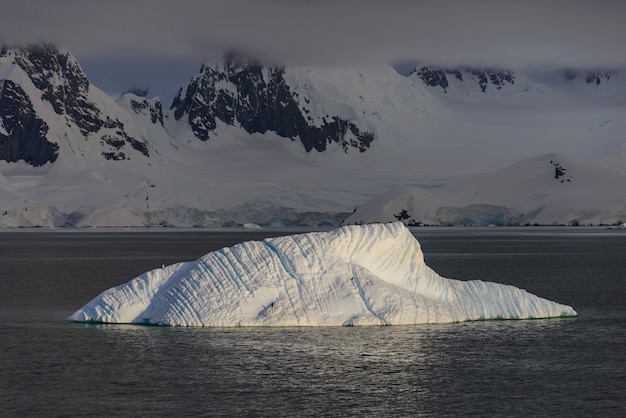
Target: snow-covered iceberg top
{"x": 354, "y": 275}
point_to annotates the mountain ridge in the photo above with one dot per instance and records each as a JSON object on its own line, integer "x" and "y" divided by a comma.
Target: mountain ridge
{"x": 65, "y": 93}
{"x": 274, "y": 145}
{"x": 257, "y": 98}
{"x": 552, "y": 189}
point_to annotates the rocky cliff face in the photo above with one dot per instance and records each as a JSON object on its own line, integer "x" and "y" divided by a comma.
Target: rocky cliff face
{"x": 489, "y": 79}
{"x": 257, "y": 98}
{"x": 590, "y": 77}
{"x": 59, "y": 83}
{"x": 484, "y": 78}
{"x": 50, "y": 113}
{"x": 151, "y": 109}
{"x": 22, "y": 132}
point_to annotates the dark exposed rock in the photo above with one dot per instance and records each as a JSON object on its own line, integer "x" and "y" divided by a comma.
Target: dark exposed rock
{"x": 438, "y": 77}
{"x": 146, "y": 107}
{"x": 113, "y": 155}
{"x": 63, "y": 84}
{"x": 407, "y": 219}
{"x": 25, "y": 137}
{"x": 258, "y": 99}
{"x": 559, "y": 172}
{"x": 590, "y": 77}
{"x": 495, "y": 78}
{"x": 499, "y": 79}
{"x": 433, "y": 77}
{"x": 402, "y": 215}
{"x": 112, "y": 141}
{"x": 120, "y": 139}
{"x": 597, "y": 78}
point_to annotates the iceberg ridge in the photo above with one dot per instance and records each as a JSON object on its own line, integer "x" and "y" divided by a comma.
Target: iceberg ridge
{"x": 354, "y": 275}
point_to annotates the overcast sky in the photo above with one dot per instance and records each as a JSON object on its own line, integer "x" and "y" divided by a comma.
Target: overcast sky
{"x": 160, "y": 44}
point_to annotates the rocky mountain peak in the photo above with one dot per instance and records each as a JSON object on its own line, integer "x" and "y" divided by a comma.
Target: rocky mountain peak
{"x": 485, "y": 78}
{"x": 60, "y": 82}
{"x": 246, "y": 93}
{"x": 22, "y": 132}
{"x": 149, "y": 108}
{"x": 590, "y": 77}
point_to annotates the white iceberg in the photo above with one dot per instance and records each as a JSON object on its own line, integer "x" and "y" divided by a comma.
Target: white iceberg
{"x": 354, "y": 275}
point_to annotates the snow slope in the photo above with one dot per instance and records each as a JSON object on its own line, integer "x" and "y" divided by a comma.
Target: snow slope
{"x": 549, "y": 190}
{"x": 356, "y": 275}
{"x": 425, "y": 137}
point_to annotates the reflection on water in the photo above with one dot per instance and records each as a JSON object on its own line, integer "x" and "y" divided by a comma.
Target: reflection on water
{"x": 483, "y": 368}
{"x": 556, "y": 367}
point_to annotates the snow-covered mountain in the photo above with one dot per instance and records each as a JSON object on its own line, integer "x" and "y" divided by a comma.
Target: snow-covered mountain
{"x": 62, "y": 139}
{"x": 47, "y": 103}
{"x": 258, "y": 99}
{"x": 244, "y": 142}
{"x": 468, "y": 80}
{"x": 554, "y": 189}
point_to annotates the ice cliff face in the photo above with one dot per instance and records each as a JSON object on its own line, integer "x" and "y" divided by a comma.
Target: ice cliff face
{"x": 358, "y": 275}
{"x": 257, "y": 98}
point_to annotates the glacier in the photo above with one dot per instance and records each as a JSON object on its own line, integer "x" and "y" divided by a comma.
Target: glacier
{"x": 139, "y": 162}
{"x": 371, "y": 274}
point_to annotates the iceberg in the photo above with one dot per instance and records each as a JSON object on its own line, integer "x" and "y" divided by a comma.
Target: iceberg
{"x": 354, "y": 275}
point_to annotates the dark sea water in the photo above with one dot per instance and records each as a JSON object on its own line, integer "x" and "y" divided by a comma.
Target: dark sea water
{"x": 556, "y": 367}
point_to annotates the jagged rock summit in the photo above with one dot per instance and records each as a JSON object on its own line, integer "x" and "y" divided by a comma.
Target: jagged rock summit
{"x": 46, "y": 102}
{"x": 245, "y": 93}
{"x": 483, "y": 78}
{"x": 489, "y": 80}
{"x": 245, "y": 142}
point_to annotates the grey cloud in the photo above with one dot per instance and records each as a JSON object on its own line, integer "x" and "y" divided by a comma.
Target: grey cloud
{"x": 568, "y": 32}
{"x": 501, "y": 33}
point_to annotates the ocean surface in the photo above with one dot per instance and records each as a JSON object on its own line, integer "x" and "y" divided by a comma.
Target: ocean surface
{"x": 554, "y": 367}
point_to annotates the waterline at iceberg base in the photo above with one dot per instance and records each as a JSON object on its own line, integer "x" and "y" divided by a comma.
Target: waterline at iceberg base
{"x": 354, "y": 275}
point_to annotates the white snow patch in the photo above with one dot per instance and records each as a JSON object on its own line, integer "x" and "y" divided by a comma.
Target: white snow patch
{"x": 423, "y": 137}
{"x": 527, "y": 192}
